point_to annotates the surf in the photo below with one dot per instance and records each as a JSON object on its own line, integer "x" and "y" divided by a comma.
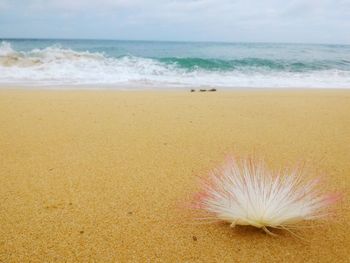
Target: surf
{"x": 162, "y": 65}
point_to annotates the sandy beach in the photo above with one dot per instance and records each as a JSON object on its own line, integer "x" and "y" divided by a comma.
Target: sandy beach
{"x": 103, "y": 176}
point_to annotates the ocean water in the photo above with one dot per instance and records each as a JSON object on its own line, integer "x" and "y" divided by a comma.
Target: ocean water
{"x": 147, "y": 64}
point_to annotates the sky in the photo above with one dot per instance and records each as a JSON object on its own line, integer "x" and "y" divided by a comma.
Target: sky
{"x": 300, "y": 21}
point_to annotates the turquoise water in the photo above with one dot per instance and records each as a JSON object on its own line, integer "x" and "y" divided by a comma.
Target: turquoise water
{"x": 173, "y": 64}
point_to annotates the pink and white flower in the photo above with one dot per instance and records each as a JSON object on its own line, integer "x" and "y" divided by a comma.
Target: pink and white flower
{"x": 246, "y": 192}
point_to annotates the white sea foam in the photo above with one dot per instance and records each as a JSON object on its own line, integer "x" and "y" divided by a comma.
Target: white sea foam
{"x": 58, "y": 66}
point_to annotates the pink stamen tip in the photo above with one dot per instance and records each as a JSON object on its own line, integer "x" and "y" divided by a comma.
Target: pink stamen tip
{"x": 333, "y": 198}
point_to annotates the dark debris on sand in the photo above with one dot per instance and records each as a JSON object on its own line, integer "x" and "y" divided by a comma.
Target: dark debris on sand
{"x": 204, "y": 90}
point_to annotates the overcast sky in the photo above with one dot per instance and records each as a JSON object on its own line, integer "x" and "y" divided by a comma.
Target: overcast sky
{"x": 310, "y": 21}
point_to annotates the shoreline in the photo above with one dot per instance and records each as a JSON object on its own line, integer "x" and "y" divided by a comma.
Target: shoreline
{"x": 101, "y": 175}
{"x": 112, "y": 87}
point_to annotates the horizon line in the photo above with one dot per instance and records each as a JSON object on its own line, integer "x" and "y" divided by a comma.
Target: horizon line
{"x": 173, "y": 41}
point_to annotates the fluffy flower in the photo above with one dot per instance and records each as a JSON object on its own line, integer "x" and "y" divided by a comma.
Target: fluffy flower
{"x": 246, "y": 192}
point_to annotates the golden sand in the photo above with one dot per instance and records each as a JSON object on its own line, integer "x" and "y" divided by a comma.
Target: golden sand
{"x": 101, "y": 176}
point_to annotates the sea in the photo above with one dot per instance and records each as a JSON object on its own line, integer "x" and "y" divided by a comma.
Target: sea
{"x": 171, "y": 65}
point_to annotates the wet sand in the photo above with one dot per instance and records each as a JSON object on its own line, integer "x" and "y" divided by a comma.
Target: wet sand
{"x": 102, "y": 176}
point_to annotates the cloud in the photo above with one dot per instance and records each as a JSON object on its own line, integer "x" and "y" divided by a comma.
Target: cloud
{"x": 4, "y": 5}
{"x": 213, "y": 20}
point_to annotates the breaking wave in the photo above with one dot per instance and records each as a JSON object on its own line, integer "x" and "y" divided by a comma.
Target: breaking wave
{"x": 55, "y": 65}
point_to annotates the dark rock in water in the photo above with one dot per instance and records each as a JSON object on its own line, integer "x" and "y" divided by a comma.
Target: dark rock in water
{"x": 212, "y": 90}
{"x": 193, "y": 90}
{"x": 202, "y": 90}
